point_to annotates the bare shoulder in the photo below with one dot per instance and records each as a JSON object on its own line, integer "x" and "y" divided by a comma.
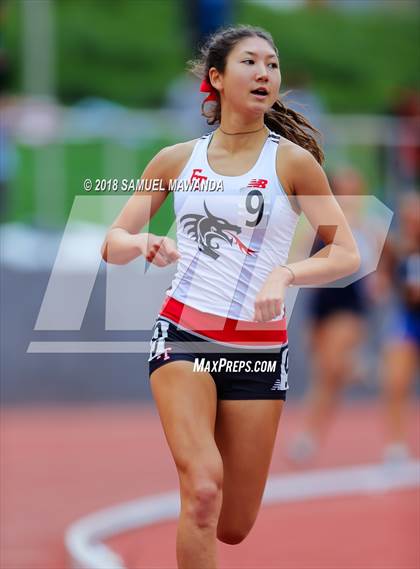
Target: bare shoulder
{"x": 172, "y": 159}
{"x": 291, "y": 155}
{"x": 298, "y": 169}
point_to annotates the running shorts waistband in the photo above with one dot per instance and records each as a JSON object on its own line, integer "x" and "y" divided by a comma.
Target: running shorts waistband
{"x": 224, "y": 330}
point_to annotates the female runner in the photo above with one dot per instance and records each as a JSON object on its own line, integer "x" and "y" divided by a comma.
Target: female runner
{"x": 226, "y": 299}
{"x": 399, "y": 270}
{"x": 337, "y": 330}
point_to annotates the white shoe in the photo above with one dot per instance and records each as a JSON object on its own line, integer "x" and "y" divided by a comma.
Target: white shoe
{"x": 396, "y": 453}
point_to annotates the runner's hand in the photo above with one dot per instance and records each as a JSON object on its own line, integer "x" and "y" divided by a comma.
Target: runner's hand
{"x": 159, "y": 250}
{"x": 269, "y": 301}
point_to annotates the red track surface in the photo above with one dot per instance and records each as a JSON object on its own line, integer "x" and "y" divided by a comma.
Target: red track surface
{"x": 59, "y": 464}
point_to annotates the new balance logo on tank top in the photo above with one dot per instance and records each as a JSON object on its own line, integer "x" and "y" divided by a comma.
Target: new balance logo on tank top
{"x": 230, "y": 240}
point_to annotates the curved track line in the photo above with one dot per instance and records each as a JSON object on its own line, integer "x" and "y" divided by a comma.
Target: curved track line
{"x": 84, "y": 538}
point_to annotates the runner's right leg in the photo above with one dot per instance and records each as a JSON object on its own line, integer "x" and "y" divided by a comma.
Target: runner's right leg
{"x": 187, "y": 403}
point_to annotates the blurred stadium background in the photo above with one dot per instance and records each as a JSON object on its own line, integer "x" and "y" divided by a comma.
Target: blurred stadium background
{"x": 92, "y": 90}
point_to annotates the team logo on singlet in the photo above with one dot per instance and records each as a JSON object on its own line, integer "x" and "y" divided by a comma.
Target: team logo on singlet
{"x": 197, "y": 175}
{"x": 208, "y": 230}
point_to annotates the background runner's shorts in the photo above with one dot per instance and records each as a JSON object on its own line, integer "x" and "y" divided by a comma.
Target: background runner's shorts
{"x": 239, "y": 373}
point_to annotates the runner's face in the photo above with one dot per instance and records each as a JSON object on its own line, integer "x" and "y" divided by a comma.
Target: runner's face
{"x": 251, "y": 65}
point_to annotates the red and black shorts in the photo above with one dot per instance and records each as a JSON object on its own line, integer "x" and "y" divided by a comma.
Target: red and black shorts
{"x": 238, "y": 372}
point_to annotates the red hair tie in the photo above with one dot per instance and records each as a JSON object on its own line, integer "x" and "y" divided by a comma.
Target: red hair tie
{"x": 207, "y": 87}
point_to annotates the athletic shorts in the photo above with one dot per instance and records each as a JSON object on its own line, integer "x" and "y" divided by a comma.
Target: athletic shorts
{"x": 327, "y": 302}
{"x": 238, "y": 373}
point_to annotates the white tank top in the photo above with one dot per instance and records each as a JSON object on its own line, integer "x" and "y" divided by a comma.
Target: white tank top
{"x": 230, "y": 240}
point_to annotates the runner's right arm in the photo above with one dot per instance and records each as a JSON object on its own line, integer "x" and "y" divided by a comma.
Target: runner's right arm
{"x": 123, "y": 242}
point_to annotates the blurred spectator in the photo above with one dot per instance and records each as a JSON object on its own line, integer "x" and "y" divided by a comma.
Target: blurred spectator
{"x": 205, "y": 16}
{"x": 337, "y": 329}
{"x": 5, "y": 145}
{"x": 6, "y": 157}
{"x": 407, "y": 163}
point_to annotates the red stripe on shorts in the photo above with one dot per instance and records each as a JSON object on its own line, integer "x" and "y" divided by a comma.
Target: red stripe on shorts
{"x": 221, "y": 329}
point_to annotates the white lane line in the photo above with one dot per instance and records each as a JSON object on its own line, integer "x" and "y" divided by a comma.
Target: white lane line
{"x": 342, "y": 481}
{"x": 84, "y": 538}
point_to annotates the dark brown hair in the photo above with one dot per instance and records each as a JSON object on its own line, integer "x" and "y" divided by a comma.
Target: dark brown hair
{"x": 281, "y": 119}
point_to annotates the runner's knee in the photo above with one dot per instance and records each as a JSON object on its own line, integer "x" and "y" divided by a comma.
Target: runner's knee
{"x": 201, "y": 489}
{"x": 205, "y": 503}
